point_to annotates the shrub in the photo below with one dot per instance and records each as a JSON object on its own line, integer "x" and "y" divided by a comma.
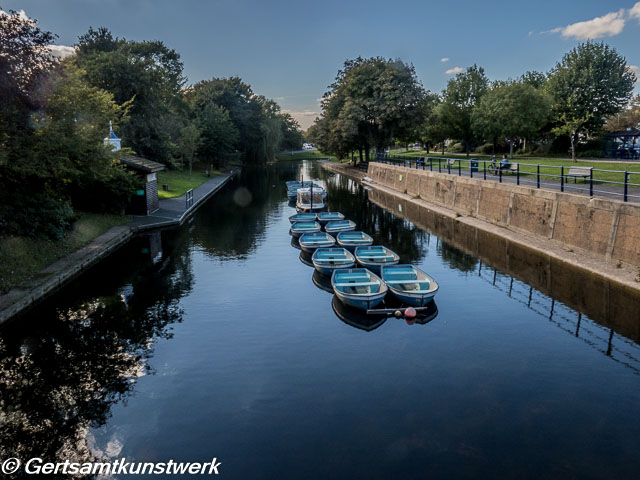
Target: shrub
{"x": 486, "y": 149}
{"x": 456, "y": 148}
{"x": 591, "y": 154}
{"x": 36, "y": 214}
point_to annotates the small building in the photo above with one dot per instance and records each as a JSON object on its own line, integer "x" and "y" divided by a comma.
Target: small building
{"x": 623, "y": 144}
{"x": 112, "y": 139}
{"x": 144, "y": 201}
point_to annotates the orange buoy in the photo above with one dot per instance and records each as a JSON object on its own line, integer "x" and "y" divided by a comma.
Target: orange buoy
{"x": 410, "y": 312}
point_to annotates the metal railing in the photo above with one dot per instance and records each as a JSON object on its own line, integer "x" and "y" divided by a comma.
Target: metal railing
{"x": 189, "y": 199}
{"x": 595, "y": 182}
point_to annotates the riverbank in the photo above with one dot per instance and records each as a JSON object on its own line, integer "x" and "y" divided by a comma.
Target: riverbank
{"x": 173, "y": 212}
{"x": 622, "y": 273}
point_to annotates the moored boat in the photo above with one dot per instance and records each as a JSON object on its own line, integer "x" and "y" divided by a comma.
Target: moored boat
{"x": 409, "y": 284}
{"x": 326, "y": 260}
{"x": 337, "y": 226}
{"x": 309, "y": 199}
{"x": 303, "y": 217}
{"x": 309, "y": 242}
{"x": 358, "y": 287}
{"x": 351, "y": 240}
{"x": 374, "y": 257}
{"x": 300, "y": 228}
{"x": 324, "y": 217}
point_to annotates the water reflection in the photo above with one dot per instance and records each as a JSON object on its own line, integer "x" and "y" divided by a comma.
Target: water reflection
{"x": 62, "y": 372}
{"x": 603, "y": 314}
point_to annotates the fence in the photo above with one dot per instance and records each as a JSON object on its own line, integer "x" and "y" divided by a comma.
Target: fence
{"x": 189, "y": 199}
{"x": 611, "y": 183}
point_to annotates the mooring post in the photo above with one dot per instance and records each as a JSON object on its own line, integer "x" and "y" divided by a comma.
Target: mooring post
{"x": 626, "y": 185}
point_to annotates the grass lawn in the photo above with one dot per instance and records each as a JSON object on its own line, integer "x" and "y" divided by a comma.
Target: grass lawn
{"x": 180, "y": 181}
{"x": 21, "y": 259}
{"x": 528, "y": 165}
{"x": 311, "y": 154}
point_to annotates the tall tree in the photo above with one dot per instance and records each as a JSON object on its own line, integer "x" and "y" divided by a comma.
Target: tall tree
{"x": 461, "y": 96}
{"x": 512, "y": 111}
{"x": 150, "y": 74}
{"x": 592, "y": 82}
{"x": 370, "y": 102}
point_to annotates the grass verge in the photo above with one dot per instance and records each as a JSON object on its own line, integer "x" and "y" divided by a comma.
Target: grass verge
{"x": 180, "y": 181}
{"x": 310, "y": 155}
{"x": 22, "y": 259}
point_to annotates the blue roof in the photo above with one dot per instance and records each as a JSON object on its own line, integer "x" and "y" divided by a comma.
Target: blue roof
{"x": 112, "y": 136}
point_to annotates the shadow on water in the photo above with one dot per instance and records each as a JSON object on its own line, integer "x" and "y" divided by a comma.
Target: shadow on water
{"x": 602, "y": 314}
{"x": 67, "y": 362}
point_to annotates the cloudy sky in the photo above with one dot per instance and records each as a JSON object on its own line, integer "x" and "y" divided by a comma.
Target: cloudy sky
{"x": 290, "y": 50}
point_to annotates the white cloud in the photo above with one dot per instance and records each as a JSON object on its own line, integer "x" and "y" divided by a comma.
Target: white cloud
{"x": 21, "y": 14}
{"x": 608, "y": 25}
{"x": 61, "y": 51}
{"x": 635, "y": 69}
{"x": 634, "y": 12}
{"x": 444, "y": 60}
{"x": 454, "y": 70}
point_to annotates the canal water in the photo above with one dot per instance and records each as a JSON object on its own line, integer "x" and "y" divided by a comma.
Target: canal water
{"x": 217, "y": 340}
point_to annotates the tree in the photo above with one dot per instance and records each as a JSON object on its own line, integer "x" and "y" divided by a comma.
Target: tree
{"x": 150, "y": 74}
{"x": 292, "y": 137}
{"x": 461, "y": 96}
{"x": 511, "y": 110}
{"x": 370, "y": 102}
{"x": 628, "y": 118}
{"x": 591, "y": 82}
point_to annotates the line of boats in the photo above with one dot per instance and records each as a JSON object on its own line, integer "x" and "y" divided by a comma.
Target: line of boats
{"x": 362, "y": 274}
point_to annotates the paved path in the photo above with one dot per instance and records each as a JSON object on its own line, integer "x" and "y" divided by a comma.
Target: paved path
{"x": 173, "y": 211}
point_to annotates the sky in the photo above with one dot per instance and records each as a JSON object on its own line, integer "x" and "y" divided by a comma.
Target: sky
{"x": 291, "y": 50}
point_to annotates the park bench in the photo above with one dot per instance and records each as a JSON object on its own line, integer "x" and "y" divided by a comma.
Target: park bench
{"x": 575, "y": 172}
{"x": 513, "y": 168}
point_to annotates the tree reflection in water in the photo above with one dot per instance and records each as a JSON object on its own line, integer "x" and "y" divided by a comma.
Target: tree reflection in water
{"x": 63, "y": 366}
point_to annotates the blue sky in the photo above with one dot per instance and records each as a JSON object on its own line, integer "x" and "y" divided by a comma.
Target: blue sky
{"x": 291, "y": 50}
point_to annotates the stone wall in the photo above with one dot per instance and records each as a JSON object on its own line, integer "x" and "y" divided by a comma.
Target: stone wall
{"x": 610, "y": 229}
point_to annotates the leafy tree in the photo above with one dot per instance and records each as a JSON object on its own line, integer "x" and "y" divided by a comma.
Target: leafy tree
{"x": 628, "y": 118}
{"x": 218, "y": 134}
{"x": 511, "y": 110}
{"x": 245, "y": 111}
{"x": 292, "y": 137}
{"x": 370, "y": 102}
{"x": 461, "y": 96}
{"x": 150, "y": 74}
{"x": 591, "y": 83}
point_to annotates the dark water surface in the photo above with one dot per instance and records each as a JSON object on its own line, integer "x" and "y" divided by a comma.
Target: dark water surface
{"x": 214, "y": 341}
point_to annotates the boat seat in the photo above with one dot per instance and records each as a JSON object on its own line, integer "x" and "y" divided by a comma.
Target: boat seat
{"x": 354, "y": 284}
{"x": 395, "y": 282}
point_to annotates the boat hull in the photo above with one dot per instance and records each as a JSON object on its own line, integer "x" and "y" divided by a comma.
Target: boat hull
{"x": 362, "y": 303}
{"x": 314, "y": 247}
{"x": 327, "y": 266}
{"x": 358, "y": 279}
{"x": 414, "y": 300}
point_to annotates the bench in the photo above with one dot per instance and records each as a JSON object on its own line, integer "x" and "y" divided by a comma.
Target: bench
{"x": 575, "y": 172}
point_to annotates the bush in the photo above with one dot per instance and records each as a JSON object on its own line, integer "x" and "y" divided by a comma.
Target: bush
{"x": 593, "y": 145}
{"x": 107, "y": 192}
{"x": 561, "y": 145}
{"x": 36, "y": 214}
{"x": 591, "y": 154}
{"x": 486, "y": 149}
{"x": 456, "y": 148}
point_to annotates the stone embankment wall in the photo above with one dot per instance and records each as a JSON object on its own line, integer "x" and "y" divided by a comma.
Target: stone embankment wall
{"x": 608, "y": 229}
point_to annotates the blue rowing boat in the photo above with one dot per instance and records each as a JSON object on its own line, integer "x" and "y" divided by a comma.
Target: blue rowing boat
{"x": 337, "y": 226}
{"x": 358, "y": 287}
{"x": 351, "y": 240}
{"x": 374, "y": 257}
{"x": 326, "y": 260}
{"x": 309, "y": 242}
{"x": 410, "y": 284}
{"x": 300, "y": 228}
{"x": 303, "y": 217}
{"x": 324, "y": 217}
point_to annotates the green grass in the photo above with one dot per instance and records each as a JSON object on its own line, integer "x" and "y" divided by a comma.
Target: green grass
{"x": 180, "y": 181}
{"x": 22, "y": 259}
{"x": 528, "y": 165}
{"x": 310, "y": 155}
